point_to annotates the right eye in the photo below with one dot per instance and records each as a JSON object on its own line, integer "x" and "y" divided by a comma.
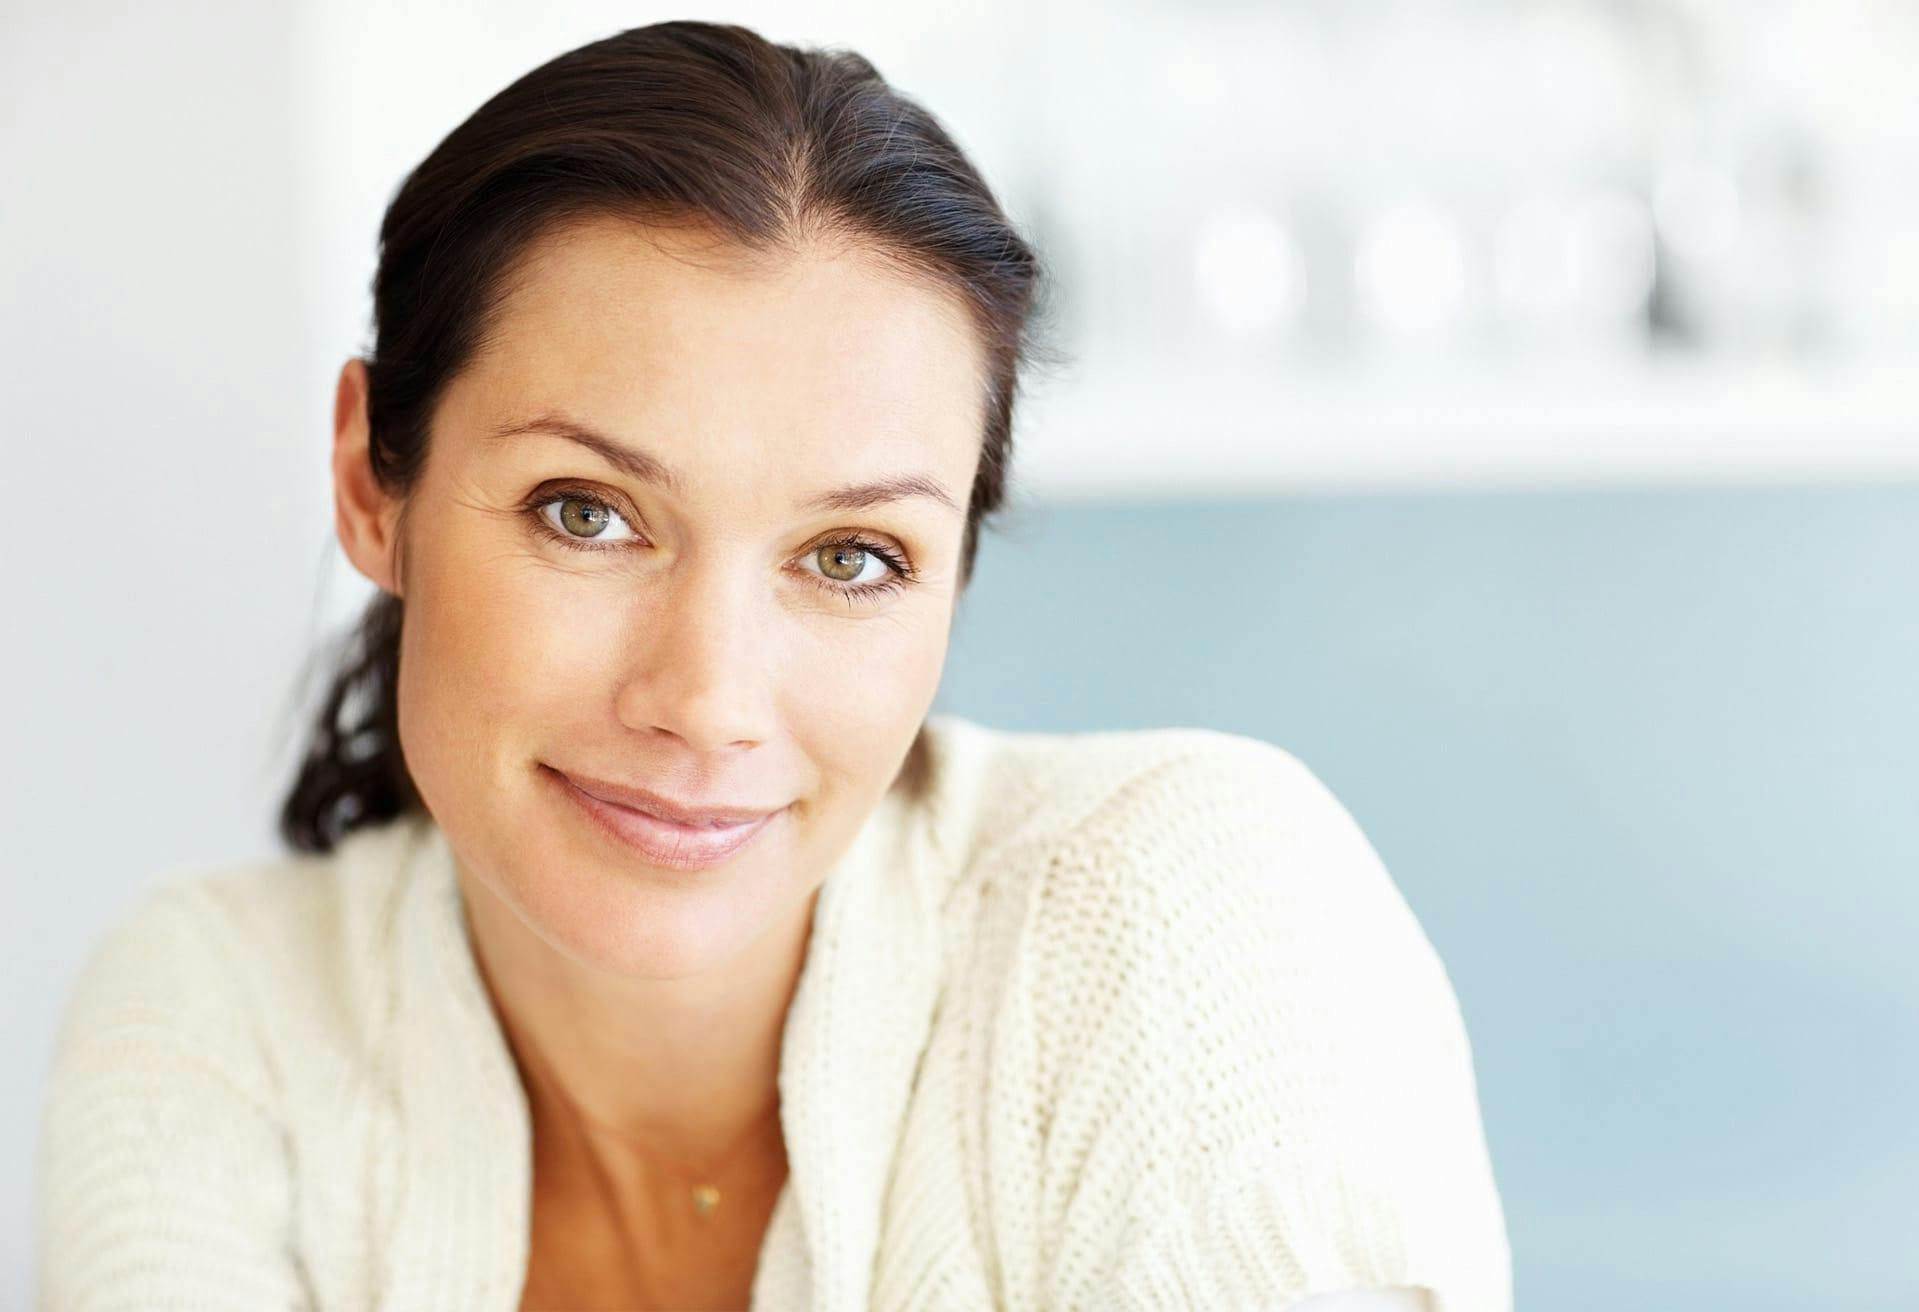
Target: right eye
{"x": 581, "y": 522}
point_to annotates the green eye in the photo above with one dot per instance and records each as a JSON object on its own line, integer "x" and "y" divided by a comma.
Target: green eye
{"x": 584, "y": 518}
{"x": 581, "y": 520}
{"x": 843, "y": 561}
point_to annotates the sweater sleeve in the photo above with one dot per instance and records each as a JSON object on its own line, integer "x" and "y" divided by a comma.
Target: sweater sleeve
{"x": 1265, "y": 1089}
{"x": 163, "y": 1174}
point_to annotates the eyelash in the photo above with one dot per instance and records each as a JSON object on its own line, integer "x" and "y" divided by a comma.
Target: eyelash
{"x": 901, "y": 569}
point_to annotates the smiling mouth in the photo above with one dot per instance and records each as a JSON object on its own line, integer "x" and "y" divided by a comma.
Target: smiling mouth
{"x": 662, "y": 841}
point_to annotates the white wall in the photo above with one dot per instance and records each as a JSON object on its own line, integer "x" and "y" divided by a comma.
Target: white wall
{"x": 164, "y": 450}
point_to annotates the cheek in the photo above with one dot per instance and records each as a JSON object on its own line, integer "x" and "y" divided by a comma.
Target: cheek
{"x": 859, "y": 698}
{"x": 487, "y": 653}
{"x": 490, "y": 642}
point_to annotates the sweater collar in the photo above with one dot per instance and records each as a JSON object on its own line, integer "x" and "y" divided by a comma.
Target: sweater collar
{"x": 859, "y": 1018}
{"x": 858, "y": 1022}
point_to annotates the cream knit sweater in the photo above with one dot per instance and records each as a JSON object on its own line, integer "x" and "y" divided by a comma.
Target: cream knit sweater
{"x": 1119, "y": 1020}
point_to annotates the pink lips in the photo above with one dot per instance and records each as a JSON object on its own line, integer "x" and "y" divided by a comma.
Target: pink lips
{"x": 664, "y": 842}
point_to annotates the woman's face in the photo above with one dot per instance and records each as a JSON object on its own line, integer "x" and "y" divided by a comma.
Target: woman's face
{"x": 718, "y": 631}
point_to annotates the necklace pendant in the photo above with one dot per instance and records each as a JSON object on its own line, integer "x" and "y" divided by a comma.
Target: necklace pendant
{"x": 705, "y": 1199}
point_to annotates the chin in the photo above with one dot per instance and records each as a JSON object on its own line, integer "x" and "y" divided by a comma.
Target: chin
{"x": 607, "y": 907}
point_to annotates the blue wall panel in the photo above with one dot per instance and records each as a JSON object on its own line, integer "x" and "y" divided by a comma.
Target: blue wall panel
{"x": 1647, "y": 766}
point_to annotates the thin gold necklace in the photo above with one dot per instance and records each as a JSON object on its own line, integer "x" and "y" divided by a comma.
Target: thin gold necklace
{"x": 705, "y": 1193}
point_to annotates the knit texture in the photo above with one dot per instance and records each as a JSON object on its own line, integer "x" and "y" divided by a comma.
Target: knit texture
{"x": 1106, "y": 1021}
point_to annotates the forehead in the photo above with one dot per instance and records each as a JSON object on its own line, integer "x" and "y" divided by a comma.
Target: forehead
{"x": 632, "y": 320}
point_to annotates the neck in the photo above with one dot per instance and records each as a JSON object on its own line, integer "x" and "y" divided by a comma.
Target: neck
{"x": 683, "y": 1069}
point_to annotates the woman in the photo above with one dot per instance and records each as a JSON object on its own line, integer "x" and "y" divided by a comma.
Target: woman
{"x": 648, "y": 943}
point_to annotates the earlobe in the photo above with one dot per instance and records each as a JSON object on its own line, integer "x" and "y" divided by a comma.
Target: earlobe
{"x": 364, "y": 515}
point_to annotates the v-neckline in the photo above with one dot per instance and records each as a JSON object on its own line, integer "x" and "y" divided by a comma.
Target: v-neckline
{"x": 859, "y": 1018}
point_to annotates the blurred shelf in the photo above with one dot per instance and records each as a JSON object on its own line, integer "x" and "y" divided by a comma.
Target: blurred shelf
{"x": 1101, "y": 435}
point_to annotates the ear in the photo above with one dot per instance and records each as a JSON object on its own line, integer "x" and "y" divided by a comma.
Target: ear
{"x": 364, "y": 515}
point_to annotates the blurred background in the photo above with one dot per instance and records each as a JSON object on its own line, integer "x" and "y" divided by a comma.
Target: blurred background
{"x": 1507, "y": 406}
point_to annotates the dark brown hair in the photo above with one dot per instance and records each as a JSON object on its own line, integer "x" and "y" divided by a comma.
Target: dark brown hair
{"x": 770, "y": 145}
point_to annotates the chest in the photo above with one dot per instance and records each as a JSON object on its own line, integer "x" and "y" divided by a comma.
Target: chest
{"x": 591, "y": 1247}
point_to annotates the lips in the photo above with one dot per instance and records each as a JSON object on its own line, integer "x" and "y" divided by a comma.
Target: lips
{"x": 711, "y": 815}
{"x": 662, "y": 841}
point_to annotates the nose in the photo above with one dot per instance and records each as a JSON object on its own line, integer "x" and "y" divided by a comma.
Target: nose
{"x": 701, "y": 666}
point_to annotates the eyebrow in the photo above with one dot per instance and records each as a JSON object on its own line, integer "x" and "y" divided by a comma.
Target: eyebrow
{"x": 646, "y": 468}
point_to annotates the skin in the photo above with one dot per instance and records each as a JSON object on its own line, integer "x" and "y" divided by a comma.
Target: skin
{"x": 702, "y": 654}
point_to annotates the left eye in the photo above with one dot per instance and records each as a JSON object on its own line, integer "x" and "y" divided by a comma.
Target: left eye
{"x": 582, "y": 518}
{"x": 851, "y": 555}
